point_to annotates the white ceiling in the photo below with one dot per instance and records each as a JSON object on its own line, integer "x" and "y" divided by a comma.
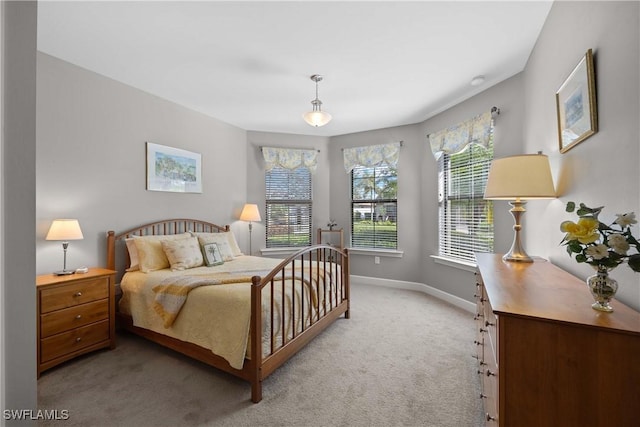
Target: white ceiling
{"x": 248, "y": 63}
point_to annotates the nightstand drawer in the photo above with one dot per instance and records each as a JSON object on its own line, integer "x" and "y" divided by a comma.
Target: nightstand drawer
{"x": 73, "y": 294}
{"x": 73, "y": 317}
{"x": 73, "y": 340}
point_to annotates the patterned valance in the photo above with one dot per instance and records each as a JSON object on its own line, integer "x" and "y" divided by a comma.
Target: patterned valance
{"x": 456, "y": 138}
{"x": 372, "y": 155}
{"x": 290, "y": 158}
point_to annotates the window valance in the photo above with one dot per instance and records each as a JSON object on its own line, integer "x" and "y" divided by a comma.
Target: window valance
{"x": 290, "y": 158}
{"x": 454, "y": 139}
{"x": 372, "y": 155}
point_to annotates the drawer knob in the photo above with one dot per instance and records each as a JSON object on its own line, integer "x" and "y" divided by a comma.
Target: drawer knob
{"x": 77, "y": 294}
{"x": 487, "y": 323}
{"x": 489, "y": 417}
{"x": 483, "y": 330}
{"x": 476, "y": 342}
{"x": 490, "y": 374}
{"x": 78, "y": 339}
{"x": 483, "y": 396}
{"x": 79, "y": 316}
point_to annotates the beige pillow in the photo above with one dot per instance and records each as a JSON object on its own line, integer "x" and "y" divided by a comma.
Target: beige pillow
{"x": 218, "y": 237}
{"x": 183, "y": 253}
{"x": 151, "y": 256}
{"x": 221, "y": 240}
{"x": 134, "y": 263}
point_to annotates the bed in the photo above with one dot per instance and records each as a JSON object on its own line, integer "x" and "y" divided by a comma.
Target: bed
{"x": 242, "y": 314}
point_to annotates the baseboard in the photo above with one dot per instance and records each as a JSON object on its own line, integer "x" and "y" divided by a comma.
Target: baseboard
{"x": 420, "y": 287}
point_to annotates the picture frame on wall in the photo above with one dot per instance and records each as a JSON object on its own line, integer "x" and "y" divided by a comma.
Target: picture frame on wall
{"x": 173, "y": 169}
{"x": 212, "y": 255}
{"x": 576, "y": 105}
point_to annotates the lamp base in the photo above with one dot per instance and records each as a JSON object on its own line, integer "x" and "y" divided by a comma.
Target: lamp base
{"x": 63, "y": 272}
{"x": 517, "y": 252}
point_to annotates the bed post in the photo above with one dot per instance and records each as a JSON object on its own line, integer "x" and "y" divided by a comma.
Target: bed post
{"x": 256, "y": 340}
{"x": 346, "y": 281}
{"x": 111, "y": 250}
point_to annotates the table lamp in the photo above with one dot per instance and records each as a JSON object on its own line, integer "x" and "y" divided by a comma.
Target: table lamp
{"x": 250, "y": 213}
{"x": 65, "y": 230}
{"x": 519, "y": 178}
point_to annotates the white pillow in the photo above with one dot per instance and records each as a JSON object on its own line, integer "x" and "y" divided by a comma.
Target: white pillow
{"x": 182, "y": 253}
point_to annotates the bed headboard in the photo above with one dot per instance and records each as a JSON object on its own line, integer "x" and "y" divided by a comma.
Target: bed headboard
{"x": 116, "y": 245}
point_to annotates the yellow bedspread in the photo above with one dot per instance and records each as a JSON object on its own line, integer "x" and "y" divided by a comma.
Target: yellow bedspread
{"x": 218, "y": 317}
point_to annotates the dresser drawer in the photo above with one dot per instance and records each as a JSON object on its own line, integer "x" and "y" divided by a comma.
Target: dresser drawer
{"x": 56, "y": 298}
{"x": 73, "y": 317}
{"x": 73, "y": 340}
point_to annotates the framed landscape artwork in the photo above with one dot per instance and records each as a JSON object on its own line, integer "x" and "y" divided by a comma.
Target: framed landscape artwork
{"x": 173, "y": 169}
{"x": 576, "y": 105}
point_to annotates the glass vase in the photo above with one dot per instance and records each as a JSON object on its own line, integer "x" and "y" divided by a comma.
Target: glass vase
{"x": 603, "y": 288}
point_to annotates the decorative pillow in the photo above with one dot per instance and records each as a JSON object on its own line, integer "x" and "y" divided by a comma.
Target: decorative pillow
{"x": 151, "y": 256}
{"x": 134, "y": 263}
{"x": 212, "y": 255}
{"x": 218, "y": 237}
{"x": 182, "y": 253}
{"x": 221, "y": 240}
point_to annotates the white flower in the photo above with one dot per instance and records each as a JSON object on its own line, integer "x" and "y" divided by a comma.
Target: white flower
{"x": 598, "y": 251}
{"x": 618, "y": 243}
{"x": 625, "y": 220}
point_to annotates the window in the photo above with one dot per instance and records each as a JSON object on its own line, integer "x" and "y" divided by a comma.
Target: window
{"x": 288, "y": 210}
{"x": 374, "y": 207}
{"x": 465, "y": 218}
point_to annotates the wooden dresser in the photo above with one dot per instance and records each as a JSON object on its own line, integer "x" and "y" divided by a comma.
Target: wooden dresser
{"x": 546, "y": 358}
{"x": 76, "y": 315}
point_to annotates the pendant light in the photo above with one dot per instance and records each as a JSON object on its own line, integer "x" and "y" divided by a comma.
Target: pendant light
{"x": 317, "y": 117}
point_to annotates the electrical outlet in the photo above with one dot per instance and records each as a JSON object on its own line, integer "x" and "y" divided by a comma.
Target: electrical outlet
{"x": 376, "y": 260}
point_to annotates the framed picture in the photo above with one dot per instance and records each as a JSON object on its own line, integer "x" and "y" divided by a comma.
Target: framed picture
{"x": 576, "y": 105}
{"x": 173, "y": 169}
{"x": 212, "y": 255}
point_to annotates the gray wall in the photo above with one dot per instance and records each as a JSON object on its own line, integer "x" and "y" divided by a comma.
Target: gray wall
{"x": 417, "y": 189}
{"x": 507, "y": 96}
{"x": 91, "y": 161}
{"x": 18, "y": 301}
{"x": 409, "y": 216}
{"x": 602, "y": 170}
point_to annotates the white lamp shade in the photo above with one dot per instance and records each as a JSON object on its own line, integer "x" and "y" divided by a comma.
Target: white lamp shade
{"x": 250, "y": 213}
{"x": 65, "y": 229}
{"x": 526, "y": 176}
{"x": 317, "y": 118}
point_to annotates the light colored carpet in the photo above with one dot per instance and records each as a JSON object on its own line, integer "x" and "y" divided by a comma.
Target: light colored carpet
{"x": 403, "y": 359}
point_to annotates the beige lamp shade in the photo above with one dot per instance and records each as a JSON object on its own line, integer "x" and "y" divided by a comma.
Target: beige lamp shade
{"x": 65, "y": 229}
{"x": 526, "y": 176}
{"x": 250, "y": 213}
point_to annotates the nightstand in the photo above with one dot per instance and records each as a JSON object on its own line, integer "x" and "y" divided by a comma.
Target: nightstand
{"x": 76, "y": 315}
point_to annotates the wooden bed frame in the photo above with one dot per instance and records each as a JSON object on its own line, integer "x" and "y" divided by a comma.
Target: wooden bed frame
{"x": 258, "y": 367}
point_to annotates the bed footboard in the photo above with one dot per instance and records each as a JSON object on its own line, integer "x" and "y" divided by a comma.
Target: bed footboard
{"x": 315, "y": 284}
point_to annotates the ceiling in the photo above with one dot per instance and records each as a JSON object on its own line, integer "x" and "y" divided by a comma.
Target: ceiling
{"x": 249, "y": 63}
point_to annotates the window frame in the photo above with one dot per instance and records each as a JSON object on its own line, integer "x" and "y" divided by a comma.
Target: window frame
{"x": 296, "y": 203}
{"x": 480, "y": 233}
{"x": 379, "y": 242}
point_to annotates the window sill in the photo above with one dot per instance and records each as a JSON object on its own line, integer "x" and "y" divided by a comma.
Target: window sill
{"x": 280, "y": 251}
{"x": 455, "y": 263}
{"x": 392, "y": 253}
